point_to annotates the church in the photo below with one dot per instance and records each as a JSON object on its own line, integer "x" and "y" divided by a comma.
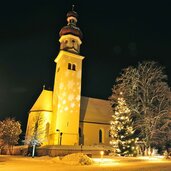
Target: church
{"x": 63, "y": 116}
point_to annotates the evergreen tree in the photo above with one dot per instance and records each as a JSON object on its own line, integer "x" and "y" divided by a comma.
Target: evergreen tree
{"x": 122, "y": 130}
{"x": 147, "y": 95}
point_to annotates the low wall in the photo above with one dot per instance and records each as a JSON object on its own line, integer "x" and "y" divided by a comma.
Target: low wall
{"x": 16, "y": 150}
{"x": 63, "y": 152}
{"x": 54, "y": 151}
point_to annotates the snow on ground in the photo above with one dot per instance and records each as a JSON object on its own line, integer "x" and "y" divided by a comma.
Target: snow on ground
{"x": 107, "y": 163}
{"x": 77, "y": 159}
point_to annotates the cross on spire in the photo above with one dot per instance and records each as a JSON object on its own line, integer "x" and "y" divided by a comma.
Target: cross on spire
{"x": 73, "y": 7}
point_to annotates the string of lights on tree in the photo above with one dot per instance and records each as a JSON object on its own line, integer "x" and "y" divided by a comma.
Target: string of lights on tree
{"x": 121, "y": 131}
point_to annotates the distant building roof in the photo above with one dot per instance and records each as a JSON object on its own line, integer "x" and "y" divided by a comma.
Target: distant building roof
{"x": 95, "y": 110}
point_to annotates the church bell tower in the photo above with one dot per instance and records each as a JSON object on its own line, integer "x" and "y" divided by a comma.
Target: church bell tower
{"x": 67, "y": 85}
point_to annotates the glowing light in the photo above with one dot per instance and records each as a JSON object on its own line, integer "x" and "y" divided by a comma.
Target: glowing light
{"x": 64, "y": 94}
{"x": 64, "y": 102}
{"x": 66, "y": 108}
{"x": 101, "y": 153}
{"x": 78, "y": 98}
{"x": 106, "y": 161}
{"x": 70, "y": 97}
{"x": 72, "y": 105}
{"x": 152, "y": 158}
{"x": 71, "y": 84}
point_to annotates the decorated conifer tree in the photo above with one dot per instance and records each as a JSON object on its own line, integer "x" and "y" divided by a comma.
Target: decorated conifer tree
{"x": 122, "y": 130}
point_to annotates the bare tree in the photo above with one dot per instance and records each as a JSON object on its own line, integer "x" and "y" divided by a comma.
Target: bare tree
{"x": 164, "y": 138}
{"x": 10, "y": 129}
{"x": 37, "y": 133}
{"x": 148, "y": 96}
{"x": 38, "y": 130}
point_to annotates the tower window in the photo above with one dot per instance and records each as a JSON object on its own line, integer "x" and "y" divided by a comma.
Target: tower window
{"x": 73, "y": 67}
{"x": 109, "y": 133}
{"x": 69, "y": 65}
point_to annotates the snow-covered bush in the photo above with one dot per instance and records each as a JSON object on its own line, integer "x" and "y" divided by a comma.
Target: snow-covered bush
{"x": 77, "y": 159}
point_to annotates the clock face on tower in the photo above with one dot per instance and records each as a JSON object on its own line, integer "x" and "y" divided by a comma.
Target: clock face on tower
{"x": 72, "y": 46}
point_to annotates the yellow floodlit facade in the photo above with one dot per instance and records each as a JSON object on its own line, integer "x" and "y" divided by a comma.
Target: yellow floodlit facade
{"x": 67, "y": 95}
{"x": 63, "y": 116}
{"x": 40, "y": 114}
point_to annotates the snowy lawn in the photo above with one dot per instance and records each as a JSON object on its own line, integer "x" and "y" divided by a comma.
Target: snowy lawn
{"x": 45, "y": 163}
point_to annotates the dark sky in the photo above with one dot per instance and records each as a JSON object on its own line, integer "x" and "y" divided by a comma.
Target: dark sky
{"x": 117, "y": 34}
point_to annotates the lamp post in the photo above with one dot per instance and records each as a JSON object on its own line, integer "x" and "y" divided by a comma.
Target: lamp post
{"x": 101, "y": 154}
{"x": 34, "y": 143}
{"x": 59, "y": 137}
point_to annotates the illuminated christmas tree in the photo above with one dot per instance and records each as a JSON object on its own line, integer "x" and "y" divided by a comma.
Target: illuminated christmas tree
{"x": 122, "y": 130}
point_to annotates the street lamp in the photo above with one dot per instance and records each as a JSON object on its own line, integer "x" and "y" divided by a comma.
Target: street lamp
{"x": 34, "y": 142}
{"x": 101, "y": 154}
{"x": 59, "y": 137}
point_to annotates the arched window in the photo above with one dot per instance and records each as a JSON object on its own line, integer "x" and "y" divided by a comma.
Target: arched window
{"x": 109, "y": 133}
{"x": 100, "y": 136}
{"x": 73, "y": 67}
{"x": 79, "y": 131}
{"x": 69, "y": 65}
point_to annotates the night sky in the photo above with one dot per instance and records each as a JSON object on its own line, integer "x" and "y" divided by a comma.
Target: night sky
{"x": 117, "y": 34}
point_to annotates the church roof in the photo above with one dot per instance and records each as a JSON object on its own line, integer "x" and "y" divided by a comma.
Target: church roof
{"x": 44, "y": 101}
{"x": 92, "y": 110}
{"x": 95, "y": 110}
{"x": 70, "y": 29}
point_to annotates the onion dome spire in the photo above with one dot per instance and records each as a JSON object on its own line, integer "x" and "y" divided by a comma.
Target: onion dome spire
{"x": 71, "y": 27}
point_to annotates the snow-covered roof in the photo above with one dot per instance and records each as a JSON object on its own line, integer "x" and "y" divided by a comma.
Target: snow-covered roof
{"x": 44, "y": 101}
{"x": 95, "y": 110}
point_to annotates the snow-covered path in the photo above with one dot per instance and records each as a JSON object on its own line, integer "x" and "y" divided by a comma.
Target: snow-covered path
{"x": 19, "y": 163}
